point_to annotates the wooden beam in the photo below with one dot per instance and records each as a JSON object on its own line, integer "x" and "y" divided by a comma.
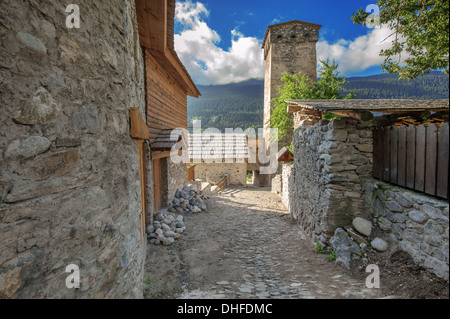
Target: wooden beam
{"x": 294, "y": 108}
{"x": 157, "y": 17}
{"x": 163, "y": 154}
{"x": 139, "y": 129}
{"x": 158, "y": 155}
{"x": 359, "y": 115}
{"x": 143, "y": 27}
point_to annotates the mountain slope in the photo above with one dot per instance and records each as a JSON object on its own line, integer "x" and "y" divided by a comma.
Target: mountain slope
{"x": 240, "y": 105}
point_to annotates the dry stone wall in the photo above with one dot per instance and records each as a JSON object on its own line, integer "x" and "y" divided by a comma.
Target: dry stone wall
{"x": 415, "y": 223}
{"x": 174, "y": 177}
{"x": 331, "y": 158}
{"x": 287, "y": 184}
{"x": 213, "y": 172}
{"x": 69, "y": 180}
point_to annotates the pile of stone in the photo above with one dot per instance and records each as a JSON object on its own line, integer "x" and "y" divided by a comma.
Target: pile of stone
{"x": 350, "y": 244}
{"x": 168, "y": 225}
{"x": 166, "y": 228}
{"x": 188, "y": 200}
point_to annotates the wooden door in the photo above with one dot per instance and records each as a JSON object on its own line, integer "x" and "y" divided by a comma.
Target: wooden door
{"x": 157, "y": 193}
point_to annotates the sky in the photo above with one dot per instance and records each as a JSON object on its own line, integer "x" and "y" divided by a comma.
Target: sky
{"x": 219, "y": 41}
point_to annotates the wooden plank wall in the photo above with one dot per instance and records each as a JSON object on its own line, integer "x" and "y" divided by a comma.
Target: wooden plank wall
{"x": 166, "y": 100}
{"x": 413, "y": 157}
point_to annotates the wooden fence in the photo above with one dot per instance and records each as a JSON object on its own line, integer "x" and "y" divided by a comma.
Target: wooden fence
{"x": 414, "y": 157}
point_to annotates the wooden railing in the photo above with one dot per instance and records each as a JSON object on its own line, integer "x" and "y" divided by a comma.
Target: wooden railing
{"x": 224, "y": 182}
{"x": 414, "y": 157}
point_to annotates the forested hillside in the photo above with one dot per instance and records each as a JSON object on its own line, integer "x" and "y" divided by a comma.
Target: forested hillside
{"x": 241, "y": 104}
{"x": 385, "y": 86}
{"x": 229, "y": 106}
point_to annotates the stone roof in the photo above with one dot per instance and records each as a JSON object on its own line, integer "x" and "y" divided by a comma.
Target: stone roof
{"x": 218, "y": 146}
{"x": 167, "y": 139}
{"x": 372, "y": 105}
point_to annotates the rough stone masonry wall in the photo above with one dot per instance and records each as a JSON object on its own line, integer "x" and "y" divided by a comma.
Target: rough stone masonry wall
{"x": 330, "y": 160}
{"x": 69, "y": 182}
{"x": 416, "y": 223}
{"x": 287, "y": 184}
{"x": 277, "y": 184}
{"x": 174, "y": 177}
{"x": 215, "y": 171}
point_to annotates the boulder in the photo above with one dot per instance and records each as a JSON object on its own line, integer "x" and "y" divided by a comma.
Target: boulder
{"x": 379, "y": 245}
{"x": 344, "y": 247}
{"x": 363, "y": 226}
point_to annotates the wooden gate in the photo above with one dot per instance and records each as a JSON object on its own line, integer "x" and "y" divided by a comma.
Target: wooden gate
{"x": 413, "y": 157}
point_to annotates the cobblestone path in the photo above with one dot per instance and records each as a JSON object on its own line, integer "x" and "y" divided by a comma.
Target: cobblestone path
{"x": 247, "y": 246}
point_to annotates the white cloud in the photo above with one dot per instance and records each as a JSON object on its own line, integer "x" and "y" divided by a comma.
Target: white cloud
{"x": 207, "y": 63}
{"x": 357, "y": 55}
{"x": 198, "y": 48}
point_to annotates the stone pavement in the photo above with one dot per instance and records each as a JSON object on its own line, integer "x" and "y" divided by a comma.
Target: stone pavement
{"x": 248, "y": 247}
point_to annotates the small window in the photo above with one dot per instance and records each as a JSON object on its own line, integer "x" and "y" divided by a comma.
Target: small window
{"x": 279, "y": 37}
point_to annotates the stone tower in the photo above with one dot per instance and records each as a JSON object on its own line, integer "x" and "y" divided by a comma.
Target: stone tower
{"x": 289, "y": 47}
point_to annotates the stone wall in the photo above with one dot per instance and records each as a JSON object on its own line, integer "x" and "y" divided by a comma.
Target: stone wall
{"x": 277, "y": 184}
{"x": 215, "y": 171}
{"x": 416, "y": 223}
{"x": 287, "y": 178}
{"x": 331, "y": 158}
{"x": 174, "y": 176}
{"x": 69, "y": 182}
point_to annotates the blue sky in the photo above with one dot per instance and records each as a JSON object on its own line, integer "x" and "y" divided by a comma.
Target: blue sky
{"x": 219, "y": 41}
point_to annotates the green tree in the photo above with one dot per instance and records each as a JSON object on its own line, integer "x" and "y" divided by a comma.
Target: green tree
{"x": 419, "y": 28}
{"x": 300, "y": 87}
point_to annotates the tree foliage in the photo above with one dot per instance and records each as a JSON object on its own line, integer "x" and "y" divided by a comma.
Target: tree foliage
{"x": 300, "y": 87}
{"x": 420, "y": 28}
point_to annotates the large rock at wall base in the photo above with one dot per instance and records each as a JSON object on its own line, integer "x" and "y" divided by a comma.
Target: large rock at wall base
{"x": 363, "y": 226}
{"x": 40, "y": 109}
{"x": 27, "y": 148}
{"x": 379, "y": 245}
{"x": 344, "y": 247}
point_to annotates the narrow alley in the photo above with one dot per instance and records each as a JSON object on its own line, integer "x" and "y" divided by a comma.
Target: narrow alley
{"x": 246, "y": 246}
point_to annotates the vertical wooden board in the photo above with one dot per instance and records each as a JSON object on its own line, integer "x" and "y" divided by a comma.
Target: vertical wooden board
{"x": 431, "y": 159}
{"x": 157, "y": 183}
{"x": 442, "y": 162}
{"x": 386, "y": 153}
{"x": 143, "y": 188}
{"x": 410, "y": 156}
{"x": 419, "y": 181}
{"x": 394, "y": 155}
{"x": 402, "y": 156}
{"x": 378, "y": 153}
